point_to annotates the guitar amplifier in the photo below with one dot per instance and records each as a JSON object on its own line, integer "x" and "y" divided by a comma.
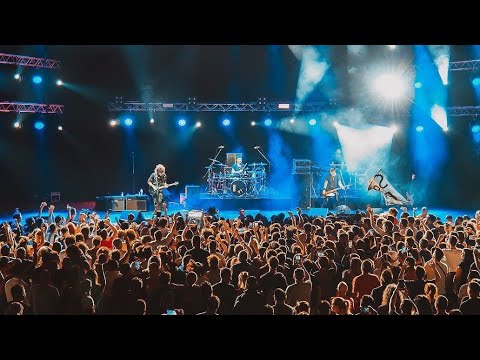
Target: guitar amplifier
{"x": 116, "y": 203}
{"x": 136, "y": 202}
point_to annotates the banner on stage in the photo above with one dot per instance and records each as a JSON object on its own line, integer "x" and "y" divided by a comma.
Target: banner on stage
{"x": 392, "y": 196}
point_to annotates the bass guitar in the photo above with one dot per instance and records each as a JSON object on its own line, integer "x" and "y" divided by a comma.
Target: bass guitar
{"x": 333, "y": 192}
{"x": 155, "y": 191}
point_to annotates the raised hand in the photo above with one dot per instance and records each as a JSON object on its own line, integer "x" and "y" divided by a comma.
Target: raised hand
{"x": 43, "y": 204}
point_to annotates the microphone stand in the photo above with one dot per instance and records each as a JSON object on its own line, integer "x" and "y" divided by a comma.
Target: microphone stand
{"x": 219, "y": 150}
{"x": 268, "y": 161}
{"x": 209, "y": 171}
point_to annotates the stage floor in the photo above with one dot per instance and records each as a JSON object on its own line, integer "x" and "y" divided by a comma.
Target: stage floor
{"x": 229, "y": 214}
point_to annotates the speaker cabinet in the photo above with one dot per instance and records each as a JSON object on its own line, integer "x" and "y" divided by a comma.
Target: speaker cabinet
{"x": 135, "y": 203}
{"x": 117, "y": 203}
{"x": 304, "y": 190}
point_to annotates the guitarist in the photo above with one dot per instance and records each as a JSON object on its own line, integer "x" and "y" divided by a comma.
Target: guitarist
{"x": 157, "y": 182}
{"x": 332, "y": 181}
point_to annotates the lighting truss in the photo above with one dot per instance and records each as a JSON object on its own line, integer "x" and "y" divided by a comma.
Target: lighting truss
{"x": 469, "y": 65}
{"x": 131, "y": 106}
{"x": 21, "y": 107}
{"x": 29, "y": 61}
{"x": 463, "y": 111}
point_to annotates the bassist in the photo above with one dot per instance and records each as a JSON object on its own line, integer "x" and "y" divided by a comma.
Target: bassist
{"x": 331, "y": 183}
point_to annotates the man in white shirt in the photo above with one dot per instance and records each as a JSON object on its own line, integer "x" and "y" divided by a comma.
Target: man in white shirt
{"x": 14, "y": 280}
{"x": 452, "y": 254}
{"x": 301, "y": 290}
{"x": 442, "y": 269}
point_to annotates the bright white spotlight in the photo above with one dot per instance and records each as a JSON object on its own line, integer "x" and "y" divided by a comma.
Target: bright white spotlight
{"x": 59, "y": 82}
{"x": 128, "y": 122}
{"x": 253, "y": 123}
{"x": 17, "y": 76}
{"x": 113, "y": 123}
{"x": 392, "y": 47}
{"x": 226, "y": 122}
{"x": 418, "y": 85}
{"x": 419, "y": 128}
{"x": 60, "y": 127}
{"x": 441, "y": 58}
{"x": 292, "y": 120}
{"x": 335, "y": 123}
{"x": 152, "y": 121}
{"x": 390, "y": 86}
{"x": 16, "y": 125}
{"x": 439, "y": 114}
{"x": 393, "y": 128}
{"x": 312, "y": 122}
{"x": 198, "y": 124}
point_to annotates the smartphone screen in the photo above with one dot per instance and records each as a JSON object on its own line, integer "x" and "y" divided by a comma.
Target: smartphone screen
{"x": 137, "y": 265}
{"x": 350, "y": 244}
{"x": 297, "y": 259}
{"x": 171, "y": 312}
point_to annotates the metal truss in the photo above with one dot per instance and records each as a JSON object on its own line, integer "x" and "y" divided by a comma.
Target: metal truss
{"x": 463, "y": 111}
{"x": 131, "y": 106}
{"x": 469, "y": 65}
{"x": 21, "y": 107}
{"x": 29, "y": 61}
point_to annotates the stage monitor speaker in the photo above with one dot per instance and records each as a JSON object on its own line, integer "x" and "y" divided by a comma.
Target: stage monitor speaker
{"x": 192, "y": 193}
{"x": 117, "y": 203}
{"x": 304, "y": 190}
{"x": 136, "y": 203}
{"x": 137, "y": 214}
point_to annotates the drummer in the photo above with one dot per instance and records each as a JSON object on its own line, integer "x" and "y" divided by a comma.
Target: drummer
{"x": 238, "y": 168}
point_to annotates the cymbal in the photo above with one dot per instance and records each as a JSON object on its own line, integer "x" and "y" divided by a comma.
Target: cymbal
{"x": 215, "y": 160}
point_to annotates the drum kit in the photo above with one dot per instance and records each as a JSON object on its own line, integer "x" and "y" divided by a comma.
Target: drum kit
{"x": 251, "y": 182}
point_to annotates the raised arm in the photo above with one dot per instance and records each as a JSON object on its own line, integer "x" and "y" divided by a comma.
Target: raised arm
{"x": 51, "y": 217}
{"x": 377, "y": 229}
{"x": 42, "y": 206}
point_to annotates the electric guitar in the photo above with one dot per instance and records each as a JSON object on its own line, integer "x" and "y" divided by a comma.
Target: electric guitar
{"x": 154, "y": 191}
{"x": 327, "y": 193}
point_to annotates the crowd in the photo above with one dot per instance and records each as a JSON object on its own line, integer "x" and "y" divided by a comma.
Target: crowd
{"x": 393, "y": 263}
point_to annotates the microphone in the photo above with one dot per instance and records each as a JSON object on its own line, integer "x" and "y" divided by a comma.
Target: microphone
{"x": 221, "y": 147}
{"x": 256, "y": 147}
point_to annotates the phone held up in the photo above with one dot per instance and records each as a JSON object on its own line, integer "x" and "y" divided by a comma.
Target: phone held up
{"x": 297, "y": 259}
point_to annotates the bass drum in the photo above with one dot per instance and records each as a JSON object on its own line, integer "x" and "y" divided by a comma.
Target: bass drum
{"x": 238, "y": 188}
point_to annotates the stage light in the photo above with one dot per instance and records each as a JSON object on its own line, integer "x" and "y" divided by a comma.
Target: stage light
{"x": 312, "y": 122}
{"x": 439, "y": 115}
{"x": 419, "y": 128}
{"x": 476, "y": 81}
{"x": 152, "y": 121}
{"x": 393, "y": 128}
{"x": 418, "y": 85}
{"x": 59, "y": 82}
{"x": 39, "y": 125}
{"x": 128, "y": 122}
{"x": 113, "y": 123}
{"x": 198, "y": 124}
{"x": 268, "y": 122}
{"x": 335, "y": 123}
{"x": 60, "y": 127}
{"x": 392, "y": 47}
{"x": 475, "y": 128}
{"x": 16, "y": 125}
{"x": 37, "y": 79}
{"x": 390, "y": 86}
{"x": 226, "y": 122}
{"x": 292, "y": 120}
{"x": 182, "y": 122}
{"x": 253, "y": 123}
{"x": 17, "y": 76}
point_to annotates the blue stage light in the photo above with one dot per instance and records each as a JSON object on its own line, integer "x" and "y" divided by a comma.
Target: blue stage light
{"x": 476, "y": 81}
{"x": 475, "y": 128}
{"x": 39, "y": 125}
{"x": 312, "y": 122}
{"x": 419, "y": 128}
{"x": 182, "y": 122}
{"x": 226, "y": 122}
{"x": 418, "y": 85}
{"x": 268, "y": 122}
{"x": 128, "y": 122}
{"x": 37, "y": 79}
